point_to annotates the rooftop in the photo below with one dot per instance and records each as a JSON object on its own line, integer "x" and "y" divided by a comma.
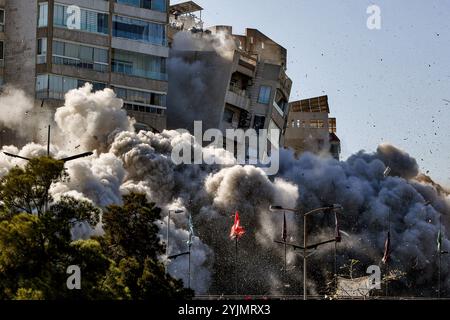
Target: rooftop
{"x": 185, "y": 8}
{"x": 317, "y": 104}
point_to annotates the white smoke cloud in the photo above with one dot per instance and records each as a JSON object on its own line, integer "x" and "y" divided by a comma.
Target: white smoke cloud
{"x": 126, "y": 161}
{"x": 14, "y": 106}
{"x": 220, "y": 42}
{"x": 89, "y": 119}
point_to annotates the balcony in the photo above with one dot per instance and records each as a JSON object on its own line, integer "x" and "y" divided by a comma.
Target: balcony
{"x": 237, "y": 97}
{"x": 278, "y": 108}
{"x": 285, "y": 82}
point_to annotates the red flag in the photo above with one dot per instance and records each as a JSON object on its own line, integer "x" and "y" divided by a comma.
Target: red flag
{"x": 387, "y": 249}
{"x": 284, "y": 232}
{"x": 236, "y": 230}
{"x": 338, "y": 231}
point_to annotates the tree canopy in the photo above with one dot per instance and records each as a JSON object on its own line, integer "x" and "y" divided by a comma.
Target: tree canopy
{"x": 38, "y": 242}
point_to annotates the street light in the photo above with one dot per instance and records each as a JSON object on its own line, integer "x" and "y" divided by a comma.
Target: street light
{"x": 176, "y": 211}
{"x": 333, "y": 208}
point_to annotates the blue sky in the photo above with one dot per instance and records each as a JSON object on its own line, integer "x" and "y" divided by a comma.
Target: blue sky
{"x": 387, "y": 85}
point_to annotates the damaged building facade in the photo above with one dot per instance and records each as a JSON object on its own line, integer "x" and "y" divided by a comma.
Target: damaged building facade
{"x": 309, "y": 128}
{"x": 141, "y": 50}
{"x": 243, "y": 87}
{"x": 120, "y": 44}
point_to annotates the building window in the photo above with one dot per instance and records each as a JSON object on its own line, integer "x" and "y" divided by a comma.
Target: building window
{"x": 91, "y": 21}
{"x": 264, "y": 94}
{"x": 2, "y": 20}
{"x": 80, "y": 56}
{"x": 158, "y": 5}
{"x": 139, "y": 65}
{"x": 317, "y": 124}
{"x": 259, "y": 123}
{"x": 55, "y": 87}
{"x": 141, "y": 97}
{"x": 332, "y": 126}
{"x": 43, "y": 14}
{"x": 139, "y": 30}
{"x": 41, "y": 51}
{"x": 228, "y": 116}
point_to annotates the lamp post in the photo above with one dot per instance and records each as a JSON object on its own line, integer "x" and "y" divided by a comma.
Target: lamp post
{"x": 176, "y": 211}
{"x": 333, "y": 208}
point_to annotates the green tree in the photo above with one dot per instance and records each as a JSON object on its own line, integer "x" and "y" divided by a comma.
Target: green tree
{"x": 26, "y": 189}
{"x": 132, "y": 241}
{"x": 37, "y": 242}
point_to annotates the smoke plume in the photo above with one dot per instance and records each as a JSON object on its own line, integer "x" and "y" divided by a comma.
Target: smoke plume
{"x": 124, "y": 161}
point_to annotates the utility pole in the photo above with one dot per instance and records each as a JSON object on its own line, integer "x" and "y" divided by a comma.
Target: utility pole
{"x": 78, "y": 156}
{"x": 440, "y": 256}
{"x": 305, "y": 244}
{"x": 387, "y": 261}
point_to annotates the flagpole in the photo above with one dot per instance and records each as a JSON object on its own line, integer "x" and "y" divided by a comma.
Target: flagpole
{"x": 167, "y": 241}
{"x": 189, "y": 268}
{"x": 335, "y": 267}
{"x": 285, "y": 246}
{"x": 335, "y": 252}
{"x": 235, "y": 269}
{"x": 388, "y": 260}
{"x": 440, "y": 257}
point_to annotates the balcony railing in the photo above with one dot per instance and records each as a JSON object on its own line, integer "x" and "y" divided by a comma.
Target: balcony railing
{"x": 278, "y": 108}
{"x": 69, "y": 61}
{"x": 49, "y": 94}
{"x": 159, "y": 5}
{"x": 238, "y": 100}
{"x": 238, "y": 91}
{"x": 135, "y": 72}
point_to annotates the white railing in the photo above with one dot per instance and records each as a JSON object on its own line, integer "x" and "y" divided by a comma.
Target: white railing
{"x": 277, "y": 107}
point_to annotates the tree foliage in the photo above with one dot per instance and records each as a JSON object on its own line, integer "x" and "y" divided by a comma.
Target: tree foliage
{"x": 37, "y": 243}
{"x": 131, "y": 239}
{"x": 26, "y": 189}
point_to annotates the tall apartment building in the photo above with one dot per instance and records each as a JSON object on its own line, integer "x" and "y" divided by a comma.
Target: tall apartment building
{"x": 309, "y": 128}
{"x": 121, "y": 44}
{"x": 250, "y": 90}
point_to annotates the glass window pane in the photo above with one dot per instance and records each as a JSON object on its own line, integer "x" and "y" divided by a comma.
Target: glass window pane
{"x": 100, "y": 55}
{"x": 43, "y": 14}
{"x": 86, "y": 53}
{"x": 69, "y": 84}
{"x": 58, "y": 48}
{"x": 71, "y": 50}
{"x": 135, "y": 29}
{"x": 264, "y": 95}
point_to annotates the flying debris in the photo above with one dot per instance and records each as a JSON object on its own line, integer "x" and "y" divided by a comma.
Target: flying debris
{"x": 67, "y": 159}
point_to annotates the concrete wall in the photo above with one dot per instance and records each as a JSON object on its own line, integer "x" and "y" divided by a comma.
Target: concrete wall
{"x": 140, "y": 13}
{"x": 305, "y": 138}
{"x": 20, "y": 46}
{"x": 81, "y": 37}
{"x": 88, "y": 4}
{"x": 141, "y": 47}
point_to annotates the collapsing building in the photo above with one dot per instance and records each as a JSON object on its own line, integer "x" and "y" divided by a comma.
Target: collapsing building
{"x": 309, "y": 128}
{"x": 227, "y": 81}
{"x": 118, "y": 44}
